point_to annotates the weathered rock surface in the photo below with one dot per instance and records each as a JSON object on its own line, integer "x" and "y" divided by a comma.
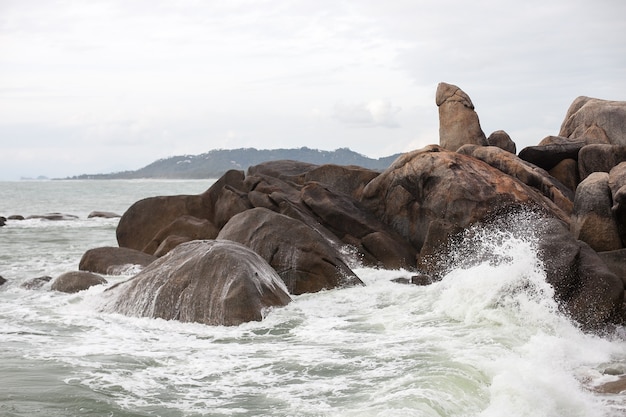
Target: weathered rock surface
{"x": 182, "y": 229}
{"x": 592, "y": 219}
{"x": 502, "y": 140}
{"x": 549, "y": 155}
{"x": 435, "y": 184}
{"x": 143, "y": 221}
{"x": 303, "y": 258}
{"x": 591, "y": 293}
{"x": 458, "y": 122}
{"x": 75, "y": 281}
{"x": 330, "y": 211}
{"x": 566, "y": 172}
{"x": 527, "y": 173}
{"x": 596, "y": 119}
{"x": 599, "y": 158}
{"x": 617, "y": 185}
{"x": 615, "y": 260}
{"x": 113, "y": 260}
{"x": 308, "y": 223}
{"x": 210, "y": 282}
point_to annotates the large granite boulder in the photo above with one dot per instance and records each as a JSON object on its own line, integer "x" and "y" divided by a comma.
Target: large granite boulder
{"x": 549, "y": 153}
{"x": 145, "y": 219}
{"x": 602, "y": 121}
{"x": 458, "y": 122}
{"x": 435, "y": 184}
{"x": 527, "y": 173}
{"x": 354, "y": 225}
{"x": 184, "y": 228}
{"x": 210, "y": 282}
{"x": 75, "y": 281}
{"x": 110, "y": 260}
{"x": 599, "y": 158}
{"x": 590, "y": 292}
{"x": 592, "y": 219}
{"x": 330, "y": 210}
{"x": 302, "y": 257}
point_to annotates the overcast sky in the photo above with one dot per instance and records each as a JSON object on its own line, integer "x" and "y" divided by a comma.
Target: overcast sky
{"x": 97, "y": 86}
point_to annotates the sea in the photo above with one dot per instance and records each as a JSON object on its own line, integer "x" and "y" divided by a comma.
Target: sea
{"x": 486, "y": 340}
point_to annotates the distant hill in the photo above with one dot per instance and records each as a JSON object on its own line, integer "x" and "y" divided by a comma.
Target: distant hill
{"x": 215, "y": 163}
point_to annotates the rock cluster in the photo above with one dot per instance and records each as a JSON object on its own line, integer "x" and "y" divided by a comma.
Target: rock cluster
{"x": 286, "y": 228}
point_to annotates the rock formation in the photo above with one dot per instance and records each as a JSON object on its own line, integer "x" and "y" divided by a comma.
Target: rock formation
{"x": 113, "y": 260}
{"x": 291, "y": 227}
{"x": 592, "y": 220}
{"x": 502, "y": 140}
{"x": 75, "y": 281}
{"x": 596, "y": 120}
{"x": 211, "y": 282}
{"x": 303, "y": 258}
{"x": 458, "y": 122}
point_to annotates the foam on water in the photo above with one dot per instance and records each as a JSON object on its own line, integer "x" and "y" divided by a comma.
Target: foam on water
{"x": 486, "y": 340}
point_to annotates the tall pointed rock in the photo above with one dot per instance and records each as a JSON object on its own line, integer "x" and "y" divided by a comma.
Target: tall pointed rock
{"x": 458, "y": 122}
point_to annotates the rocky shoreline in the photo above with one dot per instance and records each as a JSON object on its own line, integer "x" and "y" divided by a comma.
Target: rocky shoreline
{"x": 284, "y": 228}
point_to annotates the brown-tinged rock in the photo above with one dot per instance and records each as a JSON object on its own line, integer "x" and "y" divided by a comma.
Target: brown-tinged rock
{"x": 435, "y": 184}
{"x": 302, "y": 257}
{"x": 599, "y": 120}
{"x": 566, "y": 172}
{"x": 527, "y": 173}
{"x": 210, "y": 282}
{"x": 599, "y": 158}
{"x": 502, "y": 140}
{"x": 186, "y": 227}
{"x": 592, "y": 218}
{"x": 110, "y": 260}
{"x": 458, "y": 122}
{"x": 141, "y": 223}
{"x": 75, "y": 281}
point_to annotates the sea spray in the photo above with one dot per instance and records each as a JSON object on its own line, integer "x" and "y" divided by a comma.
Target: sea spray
{"x": 495, "y": 279}
{"x": 453, "y": 348}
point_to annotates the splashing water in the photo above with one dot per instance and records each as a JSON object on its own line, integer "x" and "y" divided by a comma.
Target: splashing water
{"x": 486, "y": 340}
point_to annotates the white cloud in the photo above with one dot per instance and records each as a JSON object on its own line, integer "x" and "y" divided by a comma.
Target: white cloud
{"x": 113, "y": 73}
{"x": 374, "y": 113}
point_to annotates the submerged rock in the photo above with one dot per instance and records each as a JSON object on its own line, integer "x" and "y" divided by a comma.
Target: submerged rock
{"x": 75, "y": 281}
{"x": 103, "y": 214}
{"x": 210, "y": 282}
{"x": 36, "y": 283}
{"x": 53, "y": 216}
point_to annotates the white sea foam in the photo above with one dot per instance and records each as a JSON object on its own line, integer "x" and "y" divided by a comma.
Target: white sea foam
{"x": 487, "y": 340}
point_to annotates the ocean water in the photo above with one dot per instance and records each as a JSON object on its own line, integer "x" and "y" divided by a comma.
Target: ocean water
{"x": 487, "y": 340}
